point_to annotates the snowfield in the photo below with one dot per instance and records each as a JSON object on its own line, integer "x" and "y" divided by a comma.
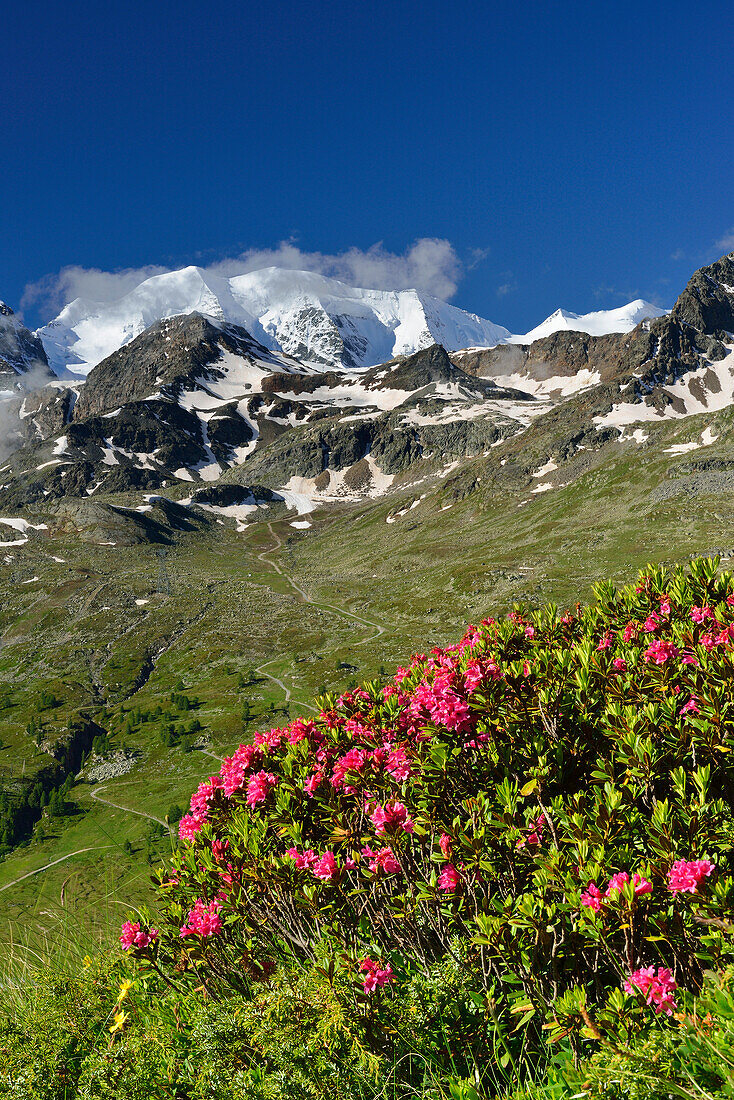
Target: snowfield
{"x": 316, "y": 319}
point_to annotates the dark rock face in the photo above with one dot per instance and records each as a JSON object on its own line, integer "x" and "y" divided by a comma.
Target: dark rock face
{"x": 707, "y": 303}
{"x": 225, "y": 496}
{"x": 414, "y": 372}
{"x": 21, "y": 352}
{"x": 167, "y": 357}
{"x": 562, "y": 354}
{"x": 46, "y": 412}
{"x": 104, "y": 524}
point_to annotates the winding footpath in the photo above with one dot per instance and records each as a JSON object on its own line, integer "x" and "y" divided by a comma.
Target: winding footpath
{"x": 379, "y": 630}
{"x": 262, "y": 669}
{"x": 140, "y": 813}
{"x": 29, "y": 874}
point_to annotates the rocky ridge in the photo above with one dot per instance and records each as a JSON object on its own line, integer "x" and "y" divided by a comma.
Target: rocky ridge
{"x": 192, "y": 402}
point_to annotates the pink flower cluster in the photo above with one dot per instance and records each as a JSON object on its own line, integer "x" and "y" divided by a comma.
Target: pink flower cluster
{"x": 593, "y": 898}
{"x": 324, "y": 867}
{"x": 685, "y": 876}
{"x": 661, "y": 651}
{"x": 656, "y": 987}
{"x": 384, "y": 860}
{"x": 390, "y": 817}
{"x": 203, "y": 919}
{"x": 132, "y": 935}
{"x": 201, "y": 800}
{"x": 535, "y": 835}
{"x": 449, "y": 879}
{"x": 375, "y": 976}
{"x": 259, "y": 787}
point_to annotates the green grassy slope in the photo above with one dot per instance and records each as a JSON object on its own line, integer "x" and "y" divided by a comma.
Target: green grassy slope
{"x": 217, "y": 610}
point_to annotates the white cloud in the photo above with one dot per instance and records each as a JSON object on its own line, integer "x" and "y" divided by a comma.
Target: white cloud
{"x": 725, "y": 243}
{"x": 430, "y": 264}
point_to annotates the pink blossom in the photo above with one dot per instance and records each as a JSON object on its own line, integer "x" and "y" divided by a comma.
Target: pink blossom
{"x": 685, "y": 876}
{"x": 384, "y": 860}
{"x": 651, "y": 623}
{"x": 535, "y": 833}
{"x": 619, "y": 881}
{"x": 478, "y": 671}
{"x": 302, "y": 859}
{"x": 353, "y": 761}
{"x": 449, "y": 879}
{"x": 219, "y": 847}
{"x": 665, "y": 605}
{"x": 443, "y": 702}
{"x": 235, "y": 768}
{"x": 326, "y": 867}
{"x": 619, "y": 664}
{"x": 259, "y": 787}
{"x": 189, "y": 826}
{"x": 701, "y": 614}
{"x": 604, "y": 643}
{"x": 661, "y": 651}
{"x": 444, "y": 844}
{"x": 630, "y": 632}
{"x": 691, "y": 706}
{"x": 375, "y": 976}
{"x": 398, "y": 764}
{"x": 298, "y": 731}
{"x": 132, "y": 935}
{"x": 391, "y": 816}
{"x": 529, "y": 631}
{"x": 203, "y": 919}
{"x": 203, "y": 796}
{"x": 592, "y": 897}
{"x": 657, "y": 989}
{"x": 313, "y": 782}
{"x": 270, "y": 740}
{"x": 689, "y": 659}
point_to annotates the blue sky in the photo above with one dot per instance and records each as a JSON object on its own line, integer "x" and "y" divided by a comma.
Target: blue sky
{"x": 571, "y": 154}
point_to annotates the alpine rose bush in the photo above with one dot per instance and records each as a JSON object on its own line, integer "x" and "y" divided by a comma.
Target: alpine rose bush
{"x": 553, "y": 792}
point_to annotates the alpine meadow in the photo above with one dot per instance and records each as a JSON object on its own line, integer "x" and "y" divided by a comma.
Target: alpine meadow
{"x": 366, "y": 640}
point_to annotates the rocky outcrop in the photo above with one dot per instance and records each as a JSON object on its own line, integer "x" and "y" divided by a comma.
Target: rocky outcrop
{"x": 168, "y": 357}
{"x": 101, "y": 524}
{"x": 707, "y": 303}
{"x": 21, "y": 353}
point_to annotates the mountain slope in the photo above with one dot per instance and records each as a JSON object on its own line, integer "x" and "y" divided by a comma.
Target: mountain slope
{"x": 601, "y": 323}
{"x": 301, "y": 313}
{"x": 298, "y": 312}
{"x": 436, "y": 492}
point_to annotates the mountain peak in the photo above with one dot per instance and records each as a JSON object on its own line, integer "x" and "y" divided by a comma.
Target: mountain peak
{"x": 307, "y": 315}
{"x": 601, "y": 322}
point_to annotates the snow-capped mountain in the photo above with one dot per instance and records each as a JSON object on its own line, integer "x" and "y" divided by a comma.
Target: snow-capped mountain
{"x": 603, "y": 322}
{"x": 301, "y": 313}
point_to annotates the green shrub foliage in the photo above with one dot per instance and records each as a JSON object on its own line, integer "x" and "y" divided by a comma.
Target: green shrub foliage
{"x": 551, "y": 798}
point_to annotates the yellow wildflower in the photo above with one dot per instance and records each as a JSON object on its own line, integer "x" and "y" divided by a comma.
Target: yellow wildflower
{"x": 119, "y": 1023}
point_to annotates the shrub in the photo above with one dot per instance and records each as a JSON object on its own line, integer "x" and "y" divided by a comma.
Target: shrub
{"x": 552, "y": 798}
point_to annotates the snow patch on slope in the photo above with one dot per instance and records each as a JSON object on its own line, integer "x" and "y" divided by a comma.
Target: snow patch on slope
{"x": 708, "y": 389}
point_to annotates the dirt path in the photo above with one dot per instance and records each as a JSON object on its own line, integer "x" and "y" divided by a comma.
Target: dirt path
{"x": 93, "y": 848}
{"x": 212, "y": 754}
{"x": 265, "y": 556}
{"x": 140, "y": 813}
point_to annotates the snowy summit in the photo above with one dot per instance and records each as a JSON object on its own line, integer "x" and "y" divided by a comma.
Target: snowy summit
{"x": 316, "y": 319}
